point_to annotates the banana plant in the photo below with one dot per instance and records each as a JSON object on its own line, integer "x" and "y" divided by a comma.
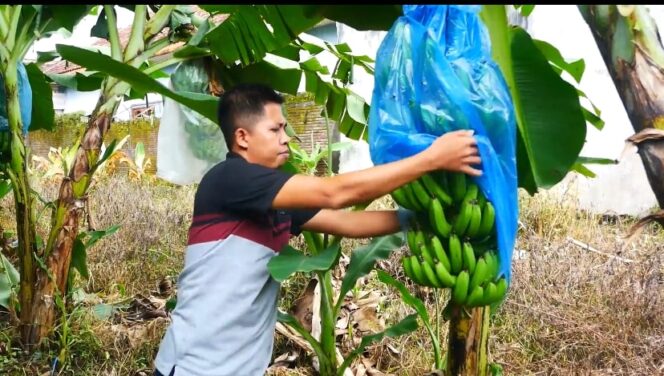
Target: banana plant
{"x": 322, "y": 260}
{"x": 20, "y": 27}
{"x": 628, "y": 40}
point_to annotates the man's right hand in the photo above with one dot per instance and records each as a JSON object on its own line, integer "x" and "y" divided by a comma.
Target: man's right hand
{"x": 455, "y": 151}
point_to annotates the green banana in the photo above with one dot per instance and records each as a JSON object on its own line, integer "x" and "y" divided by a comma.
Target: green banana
{"x": 417, "y": 271}
{"x": 476, "y": 297}
{"x": 419, "y": 239}
{"x": 420, "y": 194}
{"x": 492, "y": 265}
{"x": 412, "y": 241}
{"x": 479, "y": 275}
{"x": 488, "y": 219}
{"x": 444, "y": 276}
{"x": 490, "y": 294}
{"x": 407, "y": 267}
{"x": 431, "y": 275}
{"x": 410, "y": 197}
{"x": 458, "y": 182}
{"x": 426, "y": 255}
{"x": 475, "y": 221}
{"x": 469, "y": 261}
{"x": 438, "y": 220}
{"x": 439, "y": 252}
{"x": 501, "y": 286}
{"x": 456, "y": 262}
{"x": 435, "y": 190}
{"x": 481, "y": 199}
{"x": 460, "y": 291}
{"x": 401, "y": 199}
{"x": 472, "y": 191}
{"x": 463, "y": 219}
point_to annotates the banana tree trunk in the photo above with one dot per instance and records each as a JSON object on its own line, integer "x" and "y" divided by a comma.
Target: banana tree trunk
{"x": 627, "y": 39}
{"x": 467, "y": 351}
{"x": 39, "y": 312}
{"x": 18, "y": 174}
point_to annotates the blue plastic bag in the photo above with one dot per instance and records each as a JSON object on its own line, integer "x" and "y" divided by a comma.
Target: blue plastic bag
{"x": 24, "y": 98}
{"x": 434, "y": 74}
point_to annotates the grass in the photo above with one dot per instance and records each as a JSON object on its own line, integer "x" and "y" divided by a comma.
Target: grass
{"x": 569, "y": 310}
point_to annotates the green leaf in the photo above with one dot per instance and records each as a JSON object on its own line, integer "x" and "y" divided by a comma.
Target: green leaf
{"x": 79, "y": 259}
{"x": 68, "y": 16}
{"x": 252, "y": 37}
{"x": 551, "y": 53}
{"x": 100, "y": 29}
{"x": 363, "y": 259}
{"x": 9, "y": 279}
{"x": 594, "y": 160}
{"x": 285, "y": 80}
{"x": 406, "y": 296}
{"x": 550, "y": 118}
{"x": 46, "y": 56}
{"x": 103, "y": 311}
{"x": 42, "y": 99}
{"x": 359, "y": 17}
{"x": 204, "y": 104}
{"x": 223, "y": 9}
{"x": 583, "y": 170}
{"x": 526, "y": 10}
{"x": 313, "y": 65}
{"x": 5, "y": 187}
{"x": 139, "y": 156}
{"x": 290, "y": 261}
{"x": 191, "y": 52}
{"x": 593, "y": 119}
{"x": 405, "y": 326}
{"x": 96, "y": 235}
{"x": 79, "y": 81}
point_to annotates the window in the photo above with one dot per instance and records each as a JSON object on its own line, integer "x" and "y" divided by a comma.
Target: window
{"x": 138, "y": 112}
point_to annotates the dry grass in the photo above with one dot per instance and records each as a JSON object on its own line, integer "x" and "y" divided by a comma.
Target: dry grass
{"x": 570, "y": 311}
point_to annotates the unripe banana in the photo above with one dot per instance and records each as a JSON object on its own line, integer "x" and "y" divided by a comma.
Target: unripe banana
{"x": 438, "y": 220}
{"x": 488, "y": 219}
{"x": 476, "y": 297}
{"x": 501, "y": 286}
{"x": 490, "y": 294}
{"x": 463, "y": 219}
{"x": 458, "y": 185}
{"x": 444, "y": 276}
{"x": 419, "y": 240}
{"x": 426, "y": 255}
{"x": 479, "y": 275}
{"x": 492, "y": 265}
{"x": 435, "y": 190}
{"x": 412, "y": 241}
{"x": 472, "y": 191}
{"x": 407, "y": 267}
{"x": 456, "y": 258}
{"x": 421, "y": 194}
{"x": 401, "y": 199}
{"x": 439, "y": 252}
{"x": 430, "y": 274}
{"x": 475, "y": 221}
{"x": 481, "y": 199}
{"x": 469, "y": 261}
{"x": 410, "y": 197}
{"x": 460, "y": 291}
{"x": 417, "y": 271}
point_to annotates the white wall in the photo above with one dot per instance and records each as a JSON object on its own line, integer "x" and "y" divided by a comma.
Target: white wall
{"x": 621, "y": 188}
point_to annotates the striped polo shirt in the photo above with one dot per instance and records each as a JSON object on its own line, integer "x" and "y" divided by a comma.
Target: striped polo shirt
{"x": 224, "y": 320}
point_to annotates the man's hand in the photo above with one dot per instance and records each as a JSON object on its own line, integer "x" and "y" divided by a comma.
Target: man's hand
{"x": 455, "y": 151}
{"x": 356, "y": 224}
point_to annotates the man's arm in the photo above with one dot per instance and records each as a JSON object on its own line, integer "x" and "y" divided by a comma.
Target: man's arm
{"x": 354, "y": 224}
{"x": 454, "y": 151}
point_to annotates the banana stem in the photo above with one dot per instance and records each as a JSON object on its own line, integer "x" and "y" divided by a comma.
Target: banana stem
{"x": 13, "y": 27}
{"x": 113, "y": 36}
{"x": 136, "y": 43}
{"x": 327, "y": 336}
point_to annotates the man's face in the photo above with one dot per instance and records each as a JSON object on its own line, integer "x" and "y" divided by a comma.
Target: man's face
{"x": 266, "y": 142}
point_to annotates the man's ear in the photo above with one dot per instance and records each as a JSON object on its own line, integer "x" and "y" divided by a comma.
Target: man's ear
{"x": 241, "y": 138}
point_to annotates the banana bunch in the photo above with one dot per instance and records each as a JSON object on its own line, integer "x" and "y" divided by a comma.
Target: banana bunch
{"x": 450, "y": 250}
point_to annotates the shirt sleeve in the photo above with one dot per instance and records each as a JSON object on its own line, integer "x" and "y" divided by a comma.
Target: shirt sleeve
{"x": 299, "y": 217}
{"x": 248, "y": 187}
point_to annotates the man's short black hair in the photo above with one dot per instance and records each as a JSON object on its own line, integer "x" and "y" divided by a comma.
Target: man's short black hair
{"x": 242, "y": 103}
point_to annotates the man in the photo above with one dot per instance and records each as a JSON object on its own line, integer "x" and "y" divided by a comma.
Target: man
{"x": 246, "y": 209}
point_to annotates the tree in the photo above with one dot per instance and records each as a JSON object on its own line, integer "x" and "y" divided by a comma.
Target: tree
{"x": 628, "y": 39}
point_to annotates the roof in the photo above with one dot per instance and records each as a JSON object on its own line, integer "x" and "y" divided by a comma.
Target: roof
{"x": 64, "y": 66}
